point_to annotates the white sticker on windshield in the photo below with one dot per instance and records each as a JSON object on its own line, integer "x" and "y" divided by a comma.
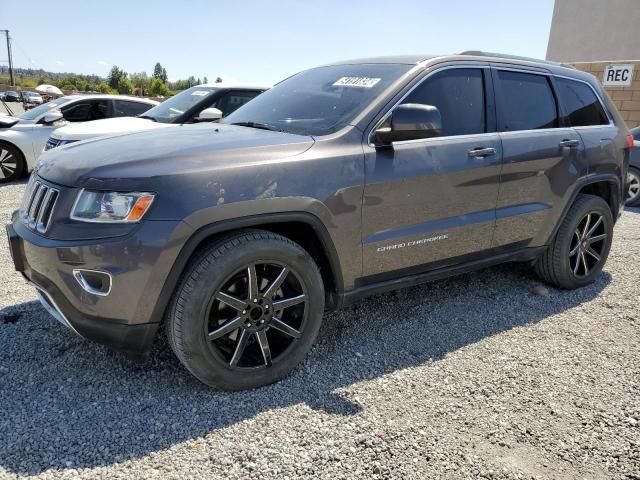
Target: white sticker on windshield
{"x": 359, "y": 82}
{"x": 200, "y": 93}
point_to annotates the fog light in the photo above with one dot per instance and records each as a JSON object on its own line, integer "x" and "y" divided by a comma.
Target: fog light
{"x": 93, "y": 281}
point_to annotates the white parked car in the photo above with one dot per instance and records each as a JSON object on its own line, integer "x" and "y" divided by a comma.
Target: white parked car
{"x": 32, "y": 98}
{"x": 23, "y": 138}
{"x": 202, "y": 103}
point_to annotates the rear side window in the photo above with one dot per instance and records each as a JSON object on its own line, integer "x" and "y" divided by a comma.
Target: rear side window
{"x": 525, "y": 101}
{"x": 580, "y": 104}
{"x": 459, "y": 95}
{"x": 232, "y": 101}
{"x": 124, "y": 108}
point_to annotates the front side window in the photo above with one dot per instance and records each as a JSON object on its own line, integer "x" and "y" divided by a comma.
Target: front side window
{"x": 458, "y": 93}
{"x": 85, "y": 111}
{"x": 319, "y": 101}
{"x": 581, "y": 105}
{"x": 172, "y": 109}
{"x": 525, "y": 101}
{"x": 125, "y": 108}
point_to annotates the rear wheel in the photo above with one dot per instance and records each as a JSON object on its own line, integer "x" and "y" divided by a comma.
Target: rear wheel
{"x": 247, "y": 311}
{"x": 581, "y": 247}
{"x": 12, "y": 163}
{"x": 633, "y": 187}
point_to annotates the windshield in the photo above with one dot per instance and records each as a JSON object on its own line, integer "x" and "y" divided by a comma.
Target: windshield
{"x": 319, "y": 101}
{"x": 45, "y": 107}
{"x": 175, "y": 106}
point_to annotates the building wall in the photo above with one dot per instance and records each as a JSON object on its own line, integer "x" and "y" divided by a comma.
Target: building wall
{"x": 627, "y": 99}
{"x": 594, "y": 30}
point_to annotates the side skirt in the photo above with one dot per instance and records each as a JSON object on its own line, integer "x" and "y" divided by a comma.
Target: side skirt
{"x": 522, "y": 255}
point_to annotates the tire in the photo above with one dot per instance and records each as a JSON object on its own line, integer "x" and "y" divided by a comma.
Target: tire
{"x": 224, "y": 337}
{"x": 571, "y": 260}
{"x": 12, "y": 164}
{"x": 633, "y": 188}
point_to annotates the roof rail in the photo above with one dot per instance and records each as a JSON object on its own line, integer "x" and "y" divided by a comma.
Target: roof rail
{"x": 480, "y": 53}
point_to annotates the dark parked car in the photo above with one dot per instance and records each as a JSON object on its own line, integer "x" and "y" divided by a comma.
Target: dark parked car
{"x": 340, "y": 182}
{"x": 633, "y": 174}
{"x": 11, "y": 96}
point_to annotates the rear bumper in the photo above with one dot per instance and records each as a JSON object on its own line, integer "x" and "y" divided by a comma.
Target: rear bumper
{"x": 137, "y": 264}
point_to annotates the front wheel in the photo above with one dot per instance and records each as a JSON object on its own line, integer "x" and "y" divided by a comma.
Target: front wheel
{"x": 247, "y": 312}
{"x": 12, "y": 164}
{"x": 580, "y": 249}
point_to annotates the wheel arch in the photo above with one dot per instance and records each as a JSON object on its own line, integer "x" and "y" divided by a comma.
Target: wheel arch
{"x": 605, "y": 186}
{"x": 301, "y": 227}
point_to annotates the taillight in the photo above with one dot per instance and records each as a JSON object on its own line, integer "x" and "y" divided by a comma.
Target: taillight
{"x": 629, "y": 141}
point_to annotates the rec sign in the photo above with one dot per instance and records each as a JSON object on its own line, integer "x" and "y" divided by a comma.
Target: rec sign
{"x": 618, "y": 75}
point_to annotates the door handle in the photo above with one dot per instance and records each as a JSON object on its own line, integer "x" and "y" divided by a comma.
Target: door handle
{"x": 482, "y": 152}
{"x": 569, "y": 143}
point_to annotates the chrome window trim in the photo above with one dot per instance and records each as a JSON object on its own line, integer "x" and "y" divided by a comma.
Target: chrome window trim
{"x": 495, "y": 67}
{"x": 479, "y": 66}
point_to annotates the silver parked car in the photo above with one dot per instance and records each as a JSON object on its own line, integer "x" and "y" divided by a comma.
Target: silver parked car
{"x": 23, "y": 138}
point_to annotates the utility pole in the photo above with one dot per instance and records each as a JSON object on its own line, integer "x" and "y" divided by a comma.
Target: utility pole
{"x": 6, "y": 32}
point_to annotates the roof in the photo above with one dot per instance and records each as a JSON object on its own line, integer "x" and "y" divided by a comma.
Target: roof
{"x": 109, "y": 96}
{"x": 417, "y": 59}
{"x": 235, "y": 86}
{"x": 399, "y": 59}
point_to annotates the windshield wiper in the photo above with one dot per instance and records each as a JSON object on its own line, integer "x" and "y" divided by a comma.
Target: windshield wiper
{"x": 262, "y": 126}
{"x": 153, "y": 119}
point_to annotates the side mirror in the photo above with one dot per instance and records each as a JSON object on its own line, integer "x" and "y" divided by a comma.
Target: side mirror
{"x": 410, "y": 121}
{"x": 210, "y": 114}
{"x": 52, "y": 117}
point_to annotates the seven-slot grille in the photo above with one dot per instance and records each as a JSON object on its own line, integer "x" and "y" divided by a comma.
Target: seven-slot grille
{"x": 38, "y": 206}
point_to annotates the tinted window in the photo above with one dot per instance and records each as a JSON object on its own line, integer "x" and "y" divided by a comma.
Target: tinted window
{"x": 123, "y": 108}
{"x": 581, "y": 105}
{"x": 459, "y": 95}
{"x": 636, "y": 133}
{"x": 526, "y": 101}
{"x": 319, "y": 101}
{"x": 85, "y": 111}
{"x": 230, "y": 102}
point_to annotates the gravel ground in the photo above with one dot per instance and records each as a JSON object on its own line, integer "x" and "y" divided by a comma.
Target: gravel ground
{"x": 471, "y": 377}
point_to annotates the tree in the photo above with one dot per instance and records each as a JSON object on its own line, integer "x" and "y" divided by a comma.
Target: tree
{"x": 115, "y": 75}
{"x": 159, "y": 72}
{"x": 104, "y": 88}
{"x": 219, "y": 80}
{"x": 140, "y": 80}
{"x": 158, "y": 88}
{"x": 125, "y": 86}
{"x": 205, "y": 80}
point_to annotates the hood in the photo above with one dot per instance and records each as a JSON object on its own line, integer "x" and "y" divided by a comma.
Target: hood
{"x": 7, "y": 121}
{"x": 107, "y": 126}
{"x": 135, "y": 160}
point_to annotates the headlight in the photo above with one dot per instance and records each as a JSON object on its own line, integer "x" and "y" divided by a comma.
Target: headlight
{"x": 54, "y": 142}
{"x": 111, "y": 207}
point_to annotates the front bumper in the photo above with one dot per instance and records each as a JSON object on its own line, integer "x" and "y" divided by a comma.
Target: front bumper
{"x": 138, "y": 264}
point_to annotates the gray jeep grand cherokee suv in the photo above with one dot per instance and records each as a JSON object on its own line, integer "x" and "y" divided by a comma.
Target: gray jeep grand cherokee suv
{"x": 340, "y": 182}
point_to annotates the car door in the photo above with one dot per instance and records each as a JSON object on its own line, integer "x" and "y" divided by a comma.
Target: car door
{"x": 433, "y": 200}
{"x": 542, "y": 158}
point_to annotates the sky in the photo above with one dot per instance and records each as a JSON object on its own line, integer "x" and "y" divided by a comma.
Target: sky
{"x": 262, "y": 41}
